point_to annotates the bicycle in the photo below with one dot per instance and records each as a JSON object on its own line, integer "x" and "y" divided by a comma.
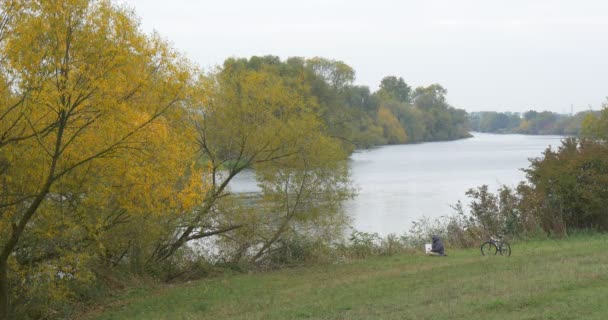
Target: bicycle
{"x": 495, "y": 246}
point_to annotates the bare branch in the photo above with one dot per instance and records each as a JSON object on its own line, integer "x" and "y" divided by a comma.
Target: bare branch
{"x": 212, "y": 233}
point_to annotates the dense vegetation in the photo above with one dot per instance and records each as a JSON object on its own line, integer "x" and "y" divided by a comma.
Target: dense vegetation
{"x": 566, "y": 190}
{"x": 116, "y": 154}
{"x": 531, "y": 122}
{"x": 359, "y": 118}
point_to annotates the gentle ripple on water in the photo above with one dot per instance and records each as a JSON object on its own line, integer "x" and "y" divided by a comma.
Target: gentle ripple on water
{"x": 402, "y": 183}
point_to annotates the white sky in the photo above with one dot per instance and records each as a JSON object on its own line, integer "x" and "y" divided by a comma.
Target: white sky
{"x": 503, "y": 55}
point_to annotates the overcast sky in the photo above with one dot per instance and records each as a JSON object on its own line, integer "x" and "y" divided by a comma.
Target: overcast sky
{"x": 503, "y": 55}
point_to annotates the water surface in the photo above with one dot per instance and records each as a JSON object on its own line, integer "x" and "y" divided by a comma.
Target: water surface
{"x": 399, "y": 184}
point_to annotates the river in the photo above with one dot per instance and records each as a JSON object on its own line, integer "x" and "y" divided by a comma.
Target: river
{"x": 402, "y": 183}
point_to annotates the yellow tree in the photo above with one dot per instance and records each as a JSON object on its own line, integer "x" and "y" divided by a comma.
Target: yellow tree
{"x": 248, "y": 117}
{"x": 302, "y": 195}
{"x": 393, "y": 131}
{"x": 81, "y": 88}
{"x": 156, "y": 189}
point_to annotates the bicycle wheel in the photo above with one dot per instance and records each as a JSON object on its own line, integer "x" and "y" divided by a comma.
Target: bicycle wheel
{"x": 488, "y": 249}
{"x": 505, "y": 249}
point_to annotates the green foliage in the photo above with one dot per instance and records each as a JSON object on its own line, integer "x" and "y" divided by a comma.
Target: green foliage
{"x": 441, "y": 121}
{"x": 393, "y": 88}
{"x": 565, "y": 192}
{"x": 423, "y": 229}
{"x": 531, "y": 122}
{"x": 570, "y": 185}
{"x": 566, "y": 187}
{"x": 335, "y": 73}
{"x": 360, "y": 119}
{"x": 595, "y": 126}
{"x": 494, "y": 122}
{"x": 261, "y": 114}
{"x": 363, "y": 244}
{"x": 539, "y": 122}
{"x": 494, "y": 214}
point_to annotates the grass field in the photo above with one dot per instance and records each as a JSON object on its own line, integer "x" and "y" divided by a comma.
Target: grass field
{"x": 550, "y": 279}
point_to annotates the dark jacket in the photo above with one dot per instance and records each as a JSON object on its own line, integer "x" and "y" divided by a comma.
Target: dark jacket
{"x": 437, "y": 245}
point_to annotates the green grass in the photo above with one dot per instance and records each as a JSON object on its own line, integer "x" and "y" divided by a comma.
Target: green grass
{"x": 565, "y": 279}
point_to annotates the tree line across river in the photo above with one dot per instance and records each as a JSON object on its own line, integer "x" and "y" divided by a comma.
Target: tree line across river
{"x": 530, "y": 122}
{"x": 116, "y": 153}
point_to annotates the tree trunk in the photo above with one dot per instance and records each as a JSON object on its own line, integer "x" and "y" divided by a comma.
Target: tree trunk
{"x": 274, "y": 238}
{"x": 4, "y": 304}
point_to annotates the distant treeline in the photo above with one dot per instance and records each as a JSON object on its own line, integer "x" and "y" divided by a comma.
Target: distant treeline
{"x": 531, "y": 122}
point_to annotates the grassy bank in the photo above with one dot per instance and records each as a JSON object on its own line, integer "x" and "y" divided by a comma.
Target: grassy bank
{"x": 550, "y": 279}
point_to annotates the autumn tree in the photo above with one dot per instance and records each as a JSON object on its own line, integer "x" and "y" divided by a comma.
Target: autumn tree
{"x": 82, "y": 88}
{"x": 301, "y": 198}
{"x": 393, "y": 130}
{"x": 301, "y": 201}
{"x": 337, "y": 73}
{"x": 250, "y": 115}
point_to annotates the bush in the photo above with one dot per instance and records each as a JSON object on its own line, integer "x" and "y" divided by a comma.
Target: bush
{"x": 298, "y": 250}
{"x": 363, "y": 244}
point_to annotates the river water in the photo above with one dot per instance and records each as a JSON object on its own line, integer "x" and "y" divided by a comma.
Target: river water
{"x": 402, "y": 183}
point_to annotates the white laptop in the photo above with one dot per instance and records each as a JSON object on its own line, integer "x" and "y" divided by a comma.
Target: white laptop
{"x": 428, "y": 247}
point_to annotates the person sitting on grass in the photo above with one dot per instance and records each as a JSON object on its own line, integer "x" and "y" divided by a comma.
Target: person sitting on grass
{"x": 437, "y": 247}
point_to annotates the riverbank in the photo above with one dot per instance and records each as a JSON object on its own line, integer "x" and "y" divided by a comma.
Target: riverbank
{"x": 549, "y": 279}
